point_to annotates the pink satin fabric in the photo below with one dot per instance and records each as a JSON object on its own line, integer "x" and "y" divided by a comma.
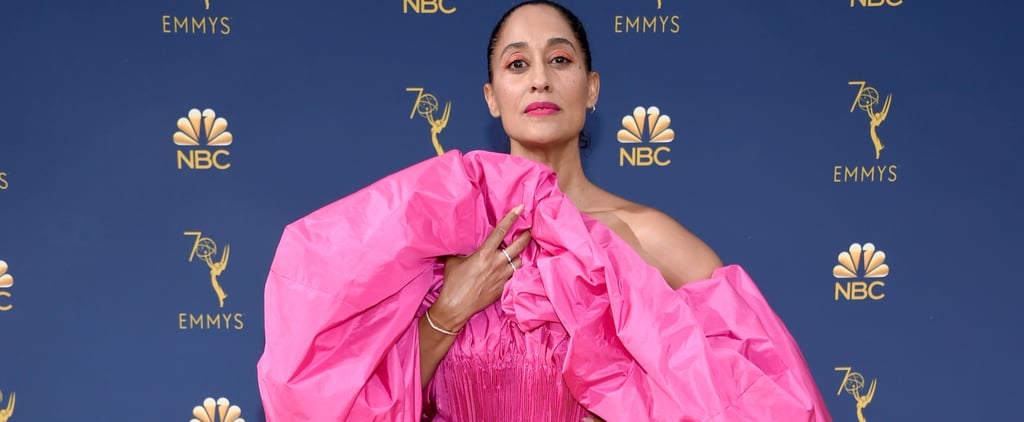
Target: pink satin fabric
{"x": 349, "y": 280}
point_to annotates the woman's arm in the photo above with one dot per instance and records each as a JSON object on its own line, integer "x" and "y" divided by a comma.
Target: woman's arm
{"x": 471, "y": 283}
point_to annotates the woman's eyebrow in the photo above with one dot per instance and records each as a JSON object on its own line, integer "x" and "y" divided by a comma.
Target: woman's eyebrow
{"x": 551, "y": 42}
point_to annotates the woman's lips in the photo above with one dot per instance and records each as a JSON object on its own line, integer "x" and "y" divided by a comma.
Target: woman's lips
{"x": 542, "y": 108}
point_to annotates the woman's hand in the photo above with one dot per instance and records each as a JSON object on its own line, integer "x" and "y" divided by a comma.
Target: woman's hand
{"x": 473, "y": 282}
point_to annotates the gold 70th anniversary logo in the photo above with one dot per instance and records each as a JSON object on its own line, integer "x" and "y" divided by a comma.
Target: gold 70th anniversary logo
{"x": 205, "y": 248}
{"x": 866, "y": 99}
{"x": 426, "y": 105}
{"x": 853, "y": 383}
{"x": 7, "y": 411}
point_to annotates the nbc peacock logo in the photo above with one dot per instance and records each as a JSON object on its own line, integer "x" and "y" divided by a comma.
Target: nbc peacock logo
{"x": 220, "y": 410}
{"x": 860, "y": 271}
{"x": 6, "y": 411}
{"x": 6, "y": 282}
{"x": 650, "y": 124}
{"x": 196, "y": 127}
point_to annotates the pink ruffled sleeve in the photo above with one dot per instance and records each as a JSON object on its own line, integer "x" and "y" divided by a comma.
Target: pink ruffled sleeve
{"x": 343, "y": 291}
{"x": 712, "y": 351}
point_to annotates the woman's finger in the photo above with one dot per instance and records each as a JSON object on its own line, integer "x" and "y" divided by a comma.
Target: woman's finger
{"x": 498, "y": 234}
{"x": 519, "y": 244}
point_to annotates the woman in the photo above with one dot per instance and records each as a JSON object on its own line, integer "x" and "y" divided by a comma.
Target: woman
{"x": 586, "y": 325}
{"x": 541, "y": 86}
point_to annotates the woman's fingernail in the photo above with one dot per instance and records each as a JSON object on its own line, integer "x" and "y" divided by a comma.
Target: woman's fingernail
{"x": 518, "y": 209}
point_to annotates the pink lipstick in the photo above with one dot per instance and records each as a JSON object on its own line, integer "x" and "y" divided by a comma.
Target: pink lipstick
{"x": 542, "y": 108}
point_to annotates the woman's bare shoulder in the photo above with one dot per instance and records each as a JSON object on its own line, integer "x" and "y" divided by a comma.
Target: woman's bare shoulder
{"x": 681, "y": 256}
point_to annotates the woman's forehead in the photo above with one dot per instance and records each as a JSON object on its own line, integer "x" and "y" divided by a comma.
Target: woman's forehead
{"x": 535, "y": 23}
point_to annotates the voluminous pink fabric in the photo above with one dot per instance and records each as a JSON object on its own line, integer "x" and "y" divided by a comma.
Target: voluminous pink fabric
{"x": 349, "y": 281}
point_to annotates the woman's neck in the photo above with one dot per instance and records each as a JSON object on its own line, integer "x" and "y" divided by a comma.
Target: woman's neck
{"x": 565, "y": 160}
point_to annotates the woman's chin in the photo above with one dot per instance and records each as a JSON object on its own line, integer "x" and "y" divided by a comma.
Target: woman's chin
{"x": 546, "y": 142}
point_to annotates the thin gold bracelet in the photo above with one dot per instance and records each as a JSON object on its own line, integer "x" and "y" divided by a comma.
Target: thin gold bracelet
{"x": 435, "y": 327}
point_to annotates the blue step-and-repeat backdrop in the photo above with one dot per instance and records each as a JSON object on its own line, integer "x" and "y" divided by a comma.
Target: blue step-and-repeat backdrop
{"x": 858, "y": 157}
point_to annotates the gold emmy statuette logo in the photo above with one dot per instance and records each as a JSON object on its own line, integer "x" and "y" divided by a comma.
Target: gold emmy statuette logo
{"x": 6, "y": 281}
{"x": 192, "y": 129}
{"x": 866, "y": 99}
{"x": 875, "y": 3}
{"x": 211, "y": 410}
{"x": 7, "y": 411}
{"x": 205, "y": 248}
{"x": 426, "y": 6}
{"x": 207, "y": 4}
{"x": 426, "y": 105}
{"x": 861, "y": 262}
{"x": 853, "y": 383}
{"x": 659, "y": 4}
{"x": 655, "y": 124}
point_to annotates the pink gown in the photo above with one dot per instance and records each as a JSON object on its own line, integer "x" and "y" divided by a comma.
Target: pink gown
{"x": 496, "y": 372}
{"x": 585, "y": 325}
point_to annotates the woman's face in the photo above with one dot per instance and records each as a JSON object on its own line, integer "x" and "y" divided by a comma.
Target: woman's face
{"x": 540, "y": 87}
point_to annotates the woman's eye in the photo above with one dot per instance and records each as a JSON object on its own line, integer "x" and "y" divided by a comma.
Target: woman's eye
{"x": 517, "y": 64}
{"x": 560, "y": 60}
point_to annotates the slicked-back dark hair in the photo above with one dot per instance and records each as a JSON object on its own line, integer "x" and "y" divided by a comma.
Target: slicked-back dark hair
{"x": 574, "y": 23}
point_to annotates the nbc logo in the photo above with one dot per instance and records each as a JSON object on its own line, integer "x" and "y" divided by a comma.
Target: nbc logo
{"x": 6, "y": 281}
{"x": 875, "y": 3}
{"x": 862, "y": 262}
{"x": 191, "y": 129}
{"x": 631, "y": 136}
{"x": 220, "y": 410}
{"x": 426, "y": 6}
